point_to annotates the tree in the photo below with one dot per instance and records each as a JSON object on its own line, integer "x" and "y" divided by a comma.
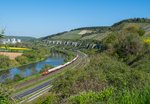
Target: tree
{"x": 2, "y": 34}
{"x": 5, "y": 92}
{"x": 135, "y": 29}
{"x": 4, "y": 62}
{"x": 22, "y": 60}
{"x": 128, "y": 44}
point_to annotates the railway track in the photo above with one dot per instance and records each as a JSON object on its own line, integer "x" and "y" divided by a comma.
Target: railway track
{"x": 32, "y": 93}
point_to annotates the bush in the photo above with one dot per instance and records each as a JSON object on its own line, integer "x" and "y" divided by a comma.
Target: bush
{"x": 91, "y": 97}
{"x": 22, "y": 60}
{"x": 112, "y": 96}
{"x": 46, "y": 99}
{"x": 127, "y": 44}
{"x": 6, "y": 63}
{"x": 5, "y": 92}
{"x": 17, "y": 77}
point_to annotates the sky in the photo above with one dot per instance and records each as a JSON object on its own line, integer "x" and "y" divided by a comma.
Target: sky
{"x": 38, "y": 18}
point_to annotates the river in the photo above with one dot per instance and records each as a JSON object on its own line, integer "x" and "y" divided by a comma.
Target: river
{"x": 32, "y": 69}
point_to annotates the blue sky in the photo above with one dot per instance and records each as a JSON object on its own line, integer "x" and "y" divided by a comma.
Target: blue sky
{"x": 44, "y": 17}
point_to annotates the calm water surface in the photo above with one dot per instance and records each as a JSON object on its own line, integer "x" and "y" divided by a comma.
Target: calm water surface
{"x": 31, "y": 69}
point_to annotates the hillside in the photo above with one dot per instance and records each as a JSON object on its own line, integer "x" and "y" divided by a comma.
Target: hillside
{"x": 98, "y": 33}
{"x": 118, "y": 73}
{"x": 95, "y": 33}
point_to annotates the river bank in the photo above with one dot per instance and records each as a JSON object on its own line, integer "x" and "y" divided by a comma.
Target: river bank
{"x": 22, "y": 72}
{"x": 19, "y": 65}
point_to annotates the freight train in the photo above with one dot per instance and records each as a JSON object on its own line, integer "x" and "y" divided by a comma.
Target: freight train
{"x": 59, "y": 67}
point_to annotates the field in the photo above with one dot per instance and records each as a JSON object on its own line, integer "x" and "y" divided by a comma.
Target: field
{"x": 12, "y": 52}
{"x": 11, "y": 55}
{"x": 14, "y": 48}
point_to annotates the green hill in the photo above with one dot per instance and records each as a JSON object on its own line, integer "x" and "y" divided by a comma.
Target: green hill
{"x": 82, "y": 34}
{"x": 98, "y": 33}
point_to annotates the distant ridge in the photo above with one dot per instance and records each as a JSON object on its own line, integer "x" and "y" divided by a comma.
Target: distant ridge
{"x": 133, "y": 20}
{"x": 23, "y": 38}
{"x": 99, "y": 32}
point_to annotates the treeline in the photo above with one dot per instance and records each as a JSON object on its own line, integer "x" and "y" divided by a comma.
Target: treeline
{"x": 133, "y": 20}
{"x": 93, "y": 28}
{"x": 36, "y": 54}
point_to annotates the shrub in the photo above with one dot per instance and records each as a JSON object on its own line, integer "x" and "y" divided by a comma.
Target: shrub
{"x": 22, "y": 60}
{"x": 91, "y": 97}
